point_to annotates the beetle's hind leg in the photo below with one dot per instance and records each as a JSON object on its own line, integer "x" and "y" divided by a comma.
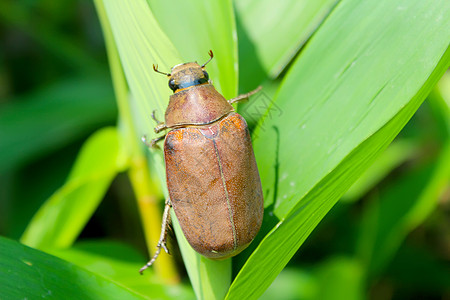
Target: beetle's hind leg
{"x": 244, "y": 96}
{"x": 162, "y": 237}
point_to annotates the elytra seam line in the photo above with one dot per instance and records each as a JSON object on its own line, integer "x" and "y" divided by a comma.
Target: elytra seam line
{"x": 230, "y": 213}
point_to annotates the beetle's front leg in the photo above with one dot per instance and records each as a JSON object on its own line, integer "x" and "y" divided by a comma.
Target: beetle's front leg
{"x": 244, "y": 96}
{"x": 162, "y": 237}
{"x": 160, "y": 126}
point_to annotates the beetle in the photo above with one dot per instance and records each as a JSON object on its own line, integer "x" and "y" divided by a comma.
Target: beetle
{"x": 211, "y": 173}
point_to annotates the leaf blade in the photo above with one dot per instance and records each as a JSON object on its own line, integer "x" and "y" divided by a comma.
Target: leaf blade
{"x": 62, "y": 217}
{"x": 350, "y": 126}
{"x": 26, "y": 272}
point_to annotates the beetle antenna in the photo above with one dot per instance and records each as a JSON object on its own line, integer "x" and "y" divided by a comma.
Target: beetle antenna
{"x": 211, "y": 55}
{"x": 155, "y": 68}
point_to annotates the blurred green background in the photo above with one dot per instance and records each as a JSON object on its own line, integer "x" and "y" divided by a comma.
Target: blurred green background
{"x": 387, "y": 238}
{"x": 55, "y": 92}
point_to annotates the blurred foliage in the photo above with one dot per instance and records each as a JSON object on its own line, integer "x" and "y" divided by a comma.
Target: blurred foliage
{"x": 75, "y": 179}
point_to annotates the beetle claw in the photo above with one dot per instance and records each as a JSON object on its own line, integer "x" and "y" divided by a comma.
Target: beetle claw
{"x": 163, "y": 245}
{"x": 152, "y": 143}
{"x": 144, "y": 140}
{"x": 147, "y": 265}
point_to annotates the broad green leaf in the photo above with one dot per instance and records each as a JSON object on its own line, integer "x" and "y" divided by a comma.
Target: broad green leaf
{"x": 141, "y": 43}
{"x": 360, "y": 79}
{"x": 51, "y": 118}
{"x": 271, "y": 33}
{"x": 120, "y": 263}
{"x": 26, "y": 273}
{"x": 341, "y": 102}
{"x": 194, "y": 28}
{"x": 401, "y": 208}
{"x": 63, "y": 216}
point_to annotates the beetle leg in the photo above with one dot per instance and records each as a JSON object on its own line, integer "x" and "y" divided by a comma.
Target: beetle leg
{"x": 160, "y": 126}
{"x": 165, "y": 222}
{"x": 244, "y": 96}
{"x": 154, "y": 117}
{"x": 162, "y": 237}
{"x": 152, "y": 143}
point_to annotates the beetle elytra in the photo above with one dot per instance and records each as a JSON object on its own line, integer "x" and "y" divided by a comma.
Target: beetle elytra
{"x": 212, "y": 177}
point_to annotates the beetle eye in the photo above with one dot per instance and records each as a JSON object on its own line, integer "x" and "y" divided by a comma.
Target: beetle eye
{"x": 206, "y": 75}
{"x": 172, "y": 85}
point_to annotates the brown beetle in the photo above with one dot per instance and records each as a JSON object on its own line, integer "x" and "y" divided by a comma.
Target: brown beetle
{"x": 212, "y": 177}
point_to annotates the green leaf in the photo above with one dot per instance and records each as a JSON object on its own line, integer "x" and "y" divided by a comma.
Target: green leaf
{"x": 120, "y": 263}
{"x": 63, "y": 216}
{"x": 340, "y": 109}
{"x": 195, "y": 30}
{"x": 271, "y": 33}
{"x": 341, "y": 102}
{"x": 49, "y": 119}
{"x": 26, "y": 273}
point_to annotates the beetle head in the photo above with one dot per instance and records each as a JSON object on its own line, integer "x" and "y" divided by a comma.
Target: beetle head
{"x": 186, "y": 75}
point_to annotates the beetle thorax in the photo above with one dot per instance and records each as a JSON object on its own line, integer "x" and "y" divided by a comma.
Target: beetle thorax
{"x": 198, "y": 105}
